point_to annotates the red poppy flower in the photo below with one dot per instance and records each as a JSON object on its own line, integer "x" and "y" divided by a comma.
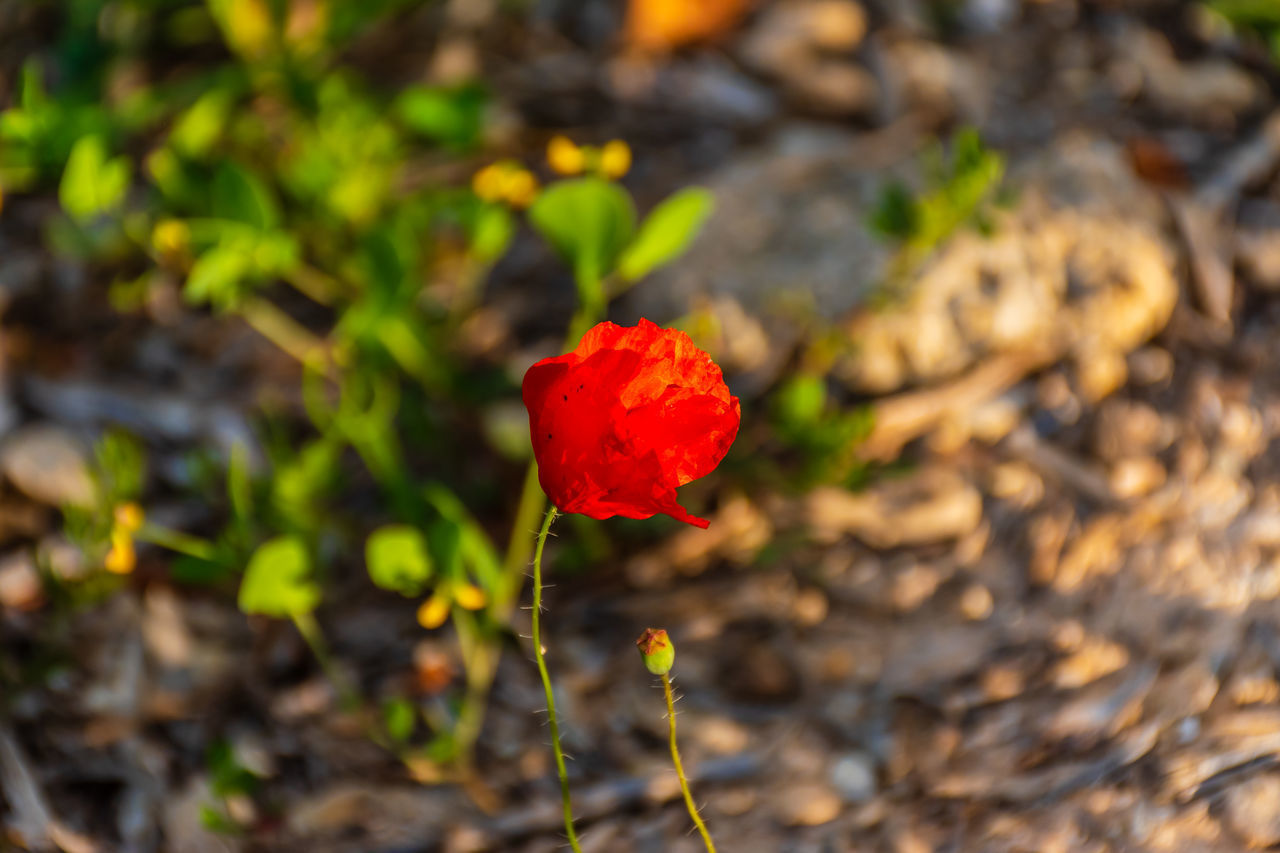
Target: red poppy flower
{"x": 620, "y": 422}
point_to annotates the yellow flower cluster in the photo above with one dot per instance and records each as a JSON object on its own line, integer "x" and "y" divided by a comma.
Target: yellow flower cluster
{"x": 128, "y": 520}
{"x": 612, "y": 160}
{"x": 435, "y": 609}
{"x": 506, "y": 181}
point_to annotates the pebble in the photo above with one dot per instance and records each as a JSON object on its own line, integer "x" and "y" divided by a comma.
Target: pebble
{"x": 854, "y": 777}
{"x": 1136, "y": 476}
{"x": 976, "y": 602}
{"x": 808, "y": 805}
{"x": 20, "y": 586}
{"x": 1253, "y": 810}
{"x": 48, "y": 464}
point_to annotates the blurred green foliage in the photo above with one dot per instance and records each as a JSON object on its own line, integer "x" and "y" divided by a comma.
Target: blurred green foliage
{"x": 1254, "y": 18}
{"x": 960, "y": 188}
{"x": 230, "y": 147}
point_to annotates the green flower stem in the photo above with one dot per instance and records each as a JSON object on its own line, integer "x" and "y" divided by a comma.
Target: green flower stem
{"x": 176, "y": 540}
{"x": 675, "y": 759}
{"x": 532, "y": 503}
{"x": 282, "y": 330}
{"x": 532, "y": 500}
{"x": 309, "y": 628}
{"x": 546, "y": 681}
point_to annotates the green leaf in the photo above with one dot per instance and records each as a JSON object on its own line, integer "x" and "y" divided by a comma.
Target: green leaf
{"x": 301, "y": 483}
{"x": 667, "y": 232}
{"x": 198, "y": 129}
{"x": 589, "y": 222}
{"x": 399, "y": 717}
{"x": 453, "y": 116}
{"x": 215, "y": 277}
{"x": 801, "y": 401}
{"x": 240, "y": 483}
{"x": 278, "y": 581}
{"x": 91, "y": 183}
{"x": 491, "y": 233}
{"x": 398, "y": 559}
{"x": 896, "y": 214}
{"x": 240, "y": 195}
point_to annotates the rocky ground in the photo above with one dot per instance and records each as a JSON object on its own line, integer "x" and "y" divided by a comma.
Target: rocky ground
{"x": 1055, "y": 629}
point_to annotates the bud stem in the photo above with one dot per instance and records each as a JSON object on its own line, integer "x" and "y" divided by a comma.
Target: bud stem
{"x": 675, "y": 759}
{"x": 546, "y": 682}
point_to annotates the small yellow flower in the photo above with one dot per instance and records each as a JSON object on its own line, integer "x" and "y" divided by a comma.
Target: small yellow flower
{"x": 488, "y": 182}
{"x": 469, "y": 596}
{"x": 565, "y": 157}
{"x": 121, "y": 558}
{"x": 171, "y": 237}
{"x": 434, "y": 611}
{"x": 520, "y": 188}
{"x": 129, "y": 517}
{"x": 505, "y": 181}
{"x": 615, "y": 159}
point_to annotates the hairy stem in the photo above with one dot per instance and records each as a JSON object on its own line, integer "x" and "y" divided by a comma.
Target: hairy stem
{"x": 546, "y": 681}
{"x": 675, "y": 759}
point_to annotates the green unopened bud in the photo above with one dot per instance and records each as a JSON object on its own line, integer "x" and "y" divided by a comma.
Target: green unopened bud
{"x": 658, "y": 651}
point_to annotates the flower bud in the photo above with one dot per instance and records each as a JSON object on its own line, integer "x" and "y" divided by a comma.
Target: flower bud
{"x": 658, "y": 651}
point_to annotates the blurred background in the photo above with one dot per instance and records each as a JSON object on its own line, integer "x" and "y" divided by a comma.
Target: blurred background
{"x": 993, "y": 564}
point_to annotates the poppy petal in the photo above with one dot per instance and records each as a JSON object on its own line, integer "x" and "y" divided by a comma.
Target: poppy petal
{"x": 624, "y": 419}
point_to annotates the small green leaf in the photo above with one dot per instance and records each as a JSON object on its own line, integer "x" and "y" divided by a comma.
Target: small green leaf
{"x": 92, "y": 184}
{"x": 589, "y": 222}
{"x": 667, "y": 232}
{"x": 240, "y": 483}
{"x": 452, "y": 116}
{"x": 399, "y": 717}
{"x": 398, "y": 559}
{"x": 198, "y": 129}
{"x": 801, "y": 400}
{"x": 240, "y": 195}
{"x": 896, "y": 215}
{"x": 215, "y": 277}
{"x": 491, "y": 232}
{"x": 278, "y": 581}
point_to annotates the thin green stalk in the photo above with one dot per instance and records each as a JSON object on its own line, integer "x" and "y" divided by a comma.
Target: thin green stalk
{"x": 176, "y": 540}
{"x": 309, "y": 628}
{"x": 532, "y": 503}
{"x": 546, "y": 681}
{"x": 675, "y": 759}
{"x": 282, "y": 330}
{"x": 532, "y": 499}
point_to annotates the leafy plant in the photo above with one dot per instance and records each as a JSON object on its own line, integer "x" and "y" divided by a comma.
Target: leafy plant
{"x": 962, "y": 187}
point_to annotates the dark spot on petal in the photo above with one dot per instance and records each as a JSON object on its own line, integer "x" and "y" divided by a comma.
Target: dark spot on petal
{"x": 548, "y": 435}
{"x": 566, "y": 397}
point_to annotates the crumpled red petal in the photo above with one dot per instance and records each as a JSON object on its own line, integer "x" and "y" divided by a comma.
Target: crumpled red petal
{"x": 627, "y": 417}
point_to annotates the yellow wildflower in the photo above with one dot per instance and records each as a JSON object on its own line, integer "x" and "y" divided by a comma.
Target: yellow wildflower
{"x": 565, "y": 157}
{"x": 170, "y": 237}
{"x": 434, "y": 611}
{"x": 505, "y": 181}
{"x": 615, "y": 159}
{"x": 469, "y": 596}
{"x": 488, "y": 182}
{"x": 520, "y": 188}
{"x": 121, "y": 558}
{"x": 130, "y": 517}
